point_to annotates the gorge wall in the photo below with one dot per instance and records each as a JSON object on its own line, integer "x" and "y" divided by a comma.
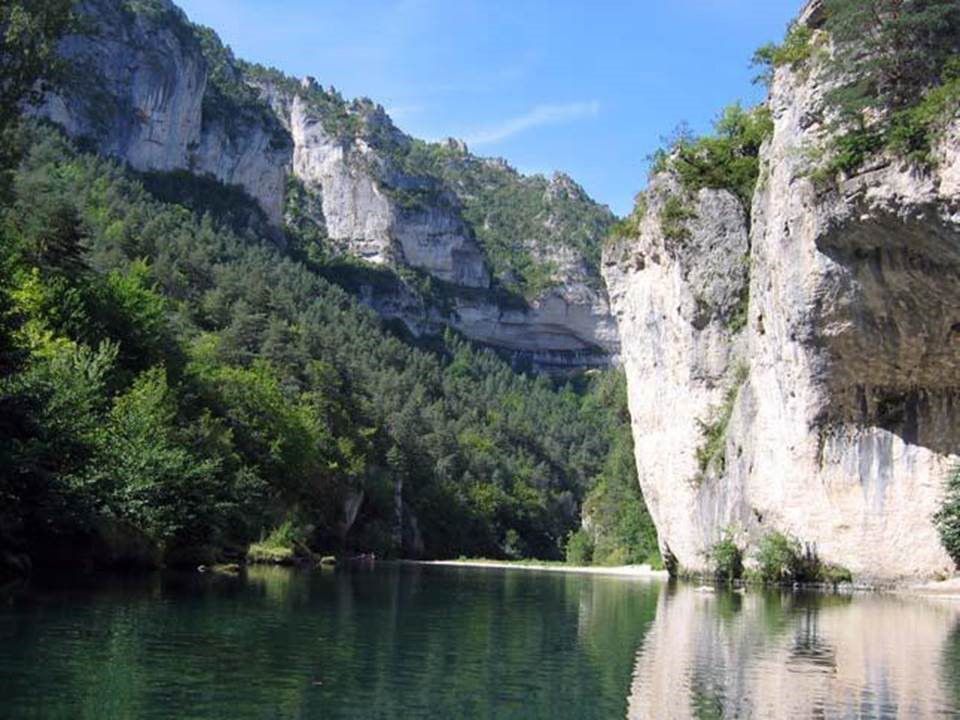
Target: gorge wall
{"x": 799, "y": 371}
{"x": 148, "y": 87}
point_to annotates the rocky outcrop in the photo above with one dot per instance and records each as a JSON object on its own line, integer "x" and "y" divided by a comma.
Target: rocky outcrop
{"x": 677, "y": 294}
{"x": 363, "y": 220}
{"x": 163, "y": 95}
{"x": 136, "y": 90}
{"x": 834, "y": 414}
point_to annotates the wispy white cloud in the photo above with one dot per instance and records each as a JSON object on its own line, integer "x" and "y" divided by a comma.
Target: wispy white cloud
{"x": 537, "y": 117}
{"x": 401, "y": 112}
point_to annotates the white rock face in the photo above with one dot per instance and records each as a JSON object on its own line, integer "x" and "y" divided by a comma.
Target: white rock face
{"x": 355, "y": 210}
{"x": 254, "y": 162}
{"x": 140, "y": 96}
{"x": 565, "y": 320}
{"x": 365, "y": 221}
{"x": 847, "y": 421}
{"x": 675, "y": 301}
{"x": 138, "y": 91}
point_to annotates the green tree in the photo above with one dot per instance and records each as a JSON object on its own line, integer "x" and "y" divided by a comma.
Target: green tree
{"x": 29, "y": 30}
{"x": 779, "y": 558}
{"x": 729, "y": 159}
{"x": 143, "y": 472}
{"x": 726, "y": 558}
{"x": 53, "y": 410}
{"x": 947, "y": 518}
{"x": 887, "y": 52}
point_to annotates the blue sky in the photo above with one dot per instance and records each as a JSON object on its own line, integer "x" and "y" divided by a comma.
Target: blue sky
{"x": 588, "y": 87}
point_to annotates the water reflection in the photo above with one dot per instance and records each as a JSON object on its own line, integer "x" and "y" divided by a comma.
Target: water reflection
{"x": 397, "y": 642}
{"x": 755, "y": 655}
{"x": 424, "y": 642}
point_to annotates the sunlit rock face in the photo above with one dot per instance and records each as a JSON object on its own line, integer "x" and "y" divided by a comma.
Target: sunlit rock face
{"x": 844, "y": 383}
{"x": 364, "y": 221}
{"x": 136, "y": 88}
{"x": 762, "y": 656}
{"x": 147, "y": 90}
{"x": 675, "y": 301}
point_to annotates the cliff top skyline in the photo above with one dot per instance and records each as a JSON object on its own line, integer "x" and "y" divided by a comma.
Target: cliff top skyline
{"x": 515, "y": 84}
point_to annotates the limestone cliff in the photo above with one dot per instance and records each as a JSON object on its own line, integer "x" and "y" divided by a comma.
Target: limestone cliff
{"x": 828, "y": 405}
{"x": 152, "y": 89}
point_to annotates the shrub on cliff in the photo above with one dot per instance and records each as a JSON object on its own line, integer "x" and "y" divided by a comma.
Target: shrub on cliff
{"x": 579, "y": 548}
{"x": 894, "y": 70}
{"x": 888, "y": 52}
{"x": 793, "y": 52}
{"x": 779, "y": 558}
{"x": 729, "y": 159}
{"x": 726, "y": 558}
{"x": 948, "y": 518}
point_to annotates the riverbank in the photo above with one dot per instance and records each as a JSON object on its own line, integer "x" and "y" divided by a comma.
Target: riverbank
{"x": 644, "y": 571}
{"x": 941, "y": 589}
{"x": 944, "y": 589}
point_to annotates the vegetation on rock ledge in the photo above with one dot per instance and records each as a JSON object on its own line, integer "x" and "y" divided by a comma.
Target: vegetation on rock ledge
{"x": 894, "y": 70}
{"x": 727, "y": 160}
{"x": 948, "y": 518}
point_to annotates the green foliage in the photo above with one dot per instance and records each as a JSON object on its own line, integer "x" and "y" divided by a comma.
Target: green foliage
{"x": 726, "y": 558}
{"x": 849, "y": 151}
{"x": 339, "y": 118}
{"x": 897, "y": 74}
{"x": 729, "y": 159}
{"x": 947, "y": 518}
{"x": 282, "y": 546}
{"x": 621, "y": 530}
{"x": 674, "y": 216}
{"x": 29, "y": 31}
{"x": 833, "y": 574}
{"x": 740, "y": 316}
{"x": 579, "y": 548}
{"x": 169, "y": 368}
{"x": 226, "y": 204}
{"x": 629, "y": 227}
{"x": 795, "y": 50}
{"x": 229, "y": 99}
{"x": 711, "y": 453}
{"x": 782, "y": 559}
{"x": 143, "y": 472}
{"x": 913, "y": 130}
{"x": 886, "y": 52}
{"x": 779, "y": 558}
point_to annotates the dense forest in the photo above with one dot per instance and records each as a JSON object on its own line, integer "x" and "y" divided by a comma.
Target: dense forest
{"x": 180, "y": 380}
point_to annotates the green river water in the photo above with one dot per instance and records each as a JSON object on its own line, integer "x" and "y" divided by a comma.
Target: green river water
{"x": 404, "y": 641}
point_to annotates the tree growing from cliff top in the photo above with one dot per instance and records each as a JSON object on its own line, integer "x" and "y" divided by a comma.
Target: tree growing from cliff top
{"x": 729, "y": 159}
{"x": 888, "y": 52}
{"x": 894, "y": 70}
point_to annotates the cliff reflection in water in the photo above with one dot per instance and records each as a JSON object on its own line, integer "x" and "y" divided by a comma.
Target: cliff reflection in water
{"x": 773, "y": 655}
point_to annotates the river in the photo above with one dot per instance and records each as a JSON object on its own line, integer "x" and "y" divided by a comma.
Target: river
{"x": 406, "y": 641}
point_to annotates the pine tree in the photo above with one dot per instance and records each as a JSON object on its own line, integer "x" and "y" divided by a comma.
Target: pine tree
{"x": 887, "y": 52}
